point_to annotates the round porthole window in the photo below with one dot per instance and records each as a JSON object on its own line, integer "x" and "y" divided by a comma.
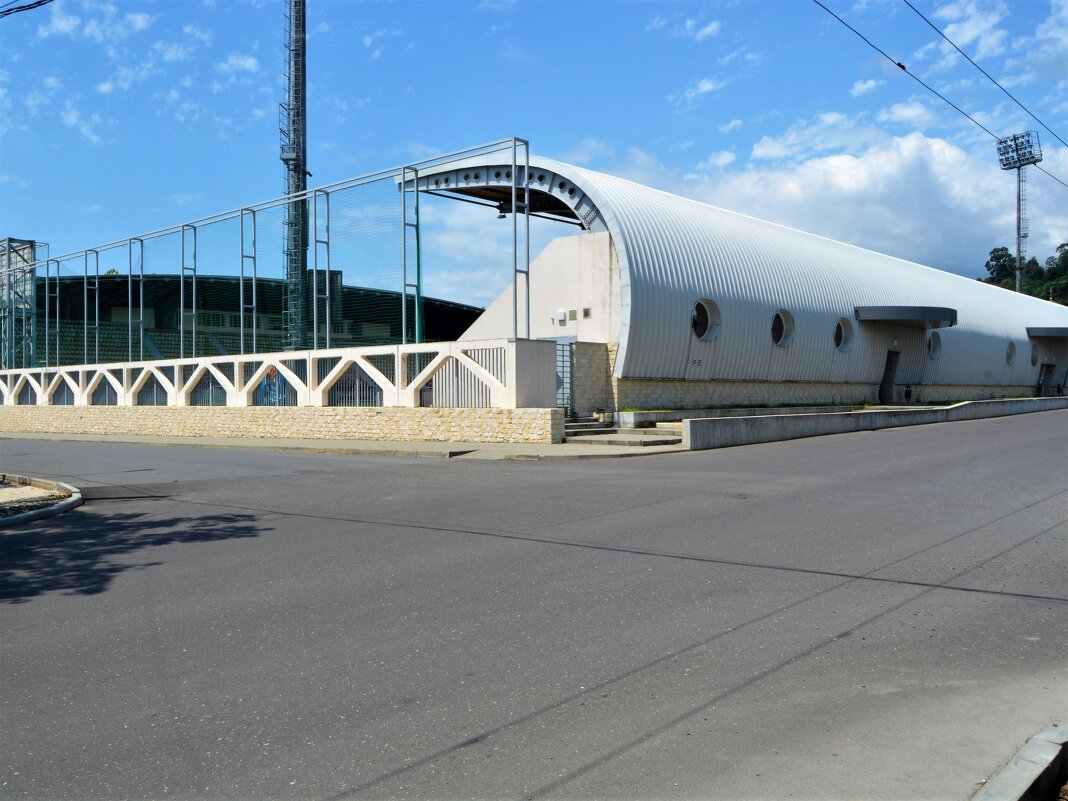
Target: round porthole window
{"x": 705, "y": 319}
{"x": 843, "y": 335}
{"x": 934, "y": 345}
{"x": 1010, "y": 354}
{"x": 782, "y": 328}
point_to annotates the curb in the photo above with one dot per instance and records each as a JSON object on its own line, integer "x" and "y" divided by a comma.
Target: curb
{"x": 73, "y": 502}
{"x": 1036, "y": 771}
{"x": 727, "y": 432}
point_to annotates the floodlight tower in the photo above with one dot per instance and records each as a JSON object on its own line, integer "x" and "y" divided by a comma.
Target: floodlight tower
{"x": 292, "y": 125}
{"x": 1016, "y": 152}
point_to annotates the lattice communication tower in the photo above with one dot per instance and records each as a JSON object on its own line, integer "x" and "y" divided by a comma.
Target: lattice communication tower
{"x": 292, "y": 125}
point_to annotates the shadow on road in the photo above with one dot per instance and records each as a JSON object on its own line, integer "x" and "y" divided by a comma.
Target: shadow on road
{"x": 75, "y": 553}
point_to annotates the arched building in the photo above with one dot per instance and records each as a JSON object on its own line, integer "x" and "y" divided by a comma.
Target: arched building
{"x": 673, "y": 303}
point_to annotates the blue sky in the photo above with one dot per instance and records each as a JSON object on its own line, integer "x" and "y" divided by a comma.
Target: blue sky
{"x": 126, "y": 116}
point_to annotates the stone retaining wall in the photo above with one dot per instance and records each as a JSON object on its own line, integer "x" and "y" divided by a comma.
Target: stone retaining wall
{"x": 390, "y": 423}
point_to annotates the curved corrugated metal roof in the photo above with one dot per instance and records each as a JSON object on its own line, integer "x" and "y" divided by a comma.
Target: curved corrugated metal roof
{"x": 674, "y": 251}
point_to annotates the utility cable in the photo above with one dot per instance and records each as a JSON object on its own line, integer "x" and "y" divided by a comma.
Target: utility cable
{"x": 998, "y": 85}
{"x": 7, "y": 12}
{"x": 930, "y": 89}
{"x": 1051, "y": 175}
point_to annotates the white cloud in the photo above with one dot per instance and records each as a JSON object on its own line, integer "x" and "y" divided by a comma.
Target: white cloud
{"x": 912, "y": 113}
{"x": 863, "y": 87}
{"x": 92, "y": 208}
{"x": 588, "y": 152}
{"x": 514, "y": 52}
{"x": 237, "y": 63}
{"x": 344, "y": 108}
{"x": 186, "y": 198}
{"x": 716, "y": 161}
{"x": 750, "y": 57}
{"x": 114, "y": 28}
{"x": 12, "y": 180}
{"x": 686, "y": 27}
{"x": 685, "y": 100}
{"x": 85, "y": 124}
{"x": 202, "y": 36}
{"x": 182, "y": 108}
{"x": 973, "y": 23}
{"x": 891, "y": 196}
{"x": 127, "y": 76}
{"x": 60, "y": 23}
{"x": 370, "y": 39}
{"x": 727, "y": 127}
{"x": 826, "y": 132}
{"x": 37, "y": 99}
{"x": 173, "y": 51}
{"x": 1045, "y": 58}
{"x": 705, "y": 31}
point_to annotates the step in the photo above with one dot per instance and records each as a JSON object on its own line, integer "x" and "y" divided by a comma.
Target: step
{"x": 599, "y": 431}
{"x": 625, "y": 440}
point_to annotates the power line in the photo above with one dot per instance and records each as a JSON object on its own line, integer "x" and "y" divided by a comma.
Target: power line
{"x": 7, "y": 12}
{"x": 998, "y": 85}
{"x": 1051, "y": 175}
{"x": 930, "y": 89}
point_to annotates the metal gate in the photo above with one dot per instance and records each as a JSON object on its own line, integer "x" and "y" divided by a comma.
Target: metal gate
{"x": 564, "y": 363}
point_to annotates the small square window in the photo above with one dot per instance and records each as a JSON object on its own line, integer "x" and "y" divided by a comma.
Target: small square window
{"x": 572, "y": 314}
{"x": 586, "y": 313}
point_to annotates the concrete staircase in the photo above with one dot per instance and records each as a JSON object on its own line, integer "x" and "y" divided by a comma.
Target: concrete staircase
{"x": 592, "y": 431}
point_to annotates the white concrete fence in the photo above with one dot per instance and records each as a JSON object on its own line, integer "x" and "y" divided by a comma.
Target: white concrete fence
{"x": 497, "y": 373}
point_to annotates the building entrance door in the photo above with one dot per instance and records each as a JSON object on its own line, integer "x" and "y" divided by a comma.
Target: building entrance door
{"x": 886, "y": 386}
{"x": 1045, "y": 380}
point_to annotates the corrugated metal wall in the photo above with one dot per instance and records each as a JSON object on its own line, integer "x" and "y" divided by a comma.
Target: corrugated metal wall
{"x": 673, "y": 251}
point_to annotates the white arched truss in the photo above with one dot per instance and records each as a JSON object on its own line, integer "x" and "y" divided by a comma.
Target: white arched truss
{"x": 451, "y": 374}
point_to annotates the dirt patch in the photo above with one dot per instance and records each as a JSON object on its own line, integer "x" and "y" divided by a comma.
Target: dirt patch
{"x": 18, "y": 498}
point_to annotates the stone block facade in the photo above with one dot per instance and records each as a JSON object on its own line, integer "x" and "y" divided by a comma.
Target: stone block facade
{"x": 591, "y": 378}
{"x": 540, "y": 426}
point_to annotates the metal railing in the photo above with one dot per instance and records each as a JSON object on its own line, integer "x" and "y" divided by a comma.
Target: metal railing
{"x": 140, "y": 298}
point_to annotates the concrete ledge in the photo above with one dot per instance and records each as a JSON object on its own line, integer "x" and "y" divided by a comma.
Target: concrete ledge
{"x": 1036, "y": 772}
{"x": 65, "y": 505}
{"x": 702, "y": 434}
{"x": 643, "y": 419}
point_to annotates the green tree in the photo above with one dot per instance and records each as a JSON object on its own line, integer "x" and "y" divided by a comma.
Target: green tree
{"x": 1002, "y": 267}
{"x": 1057, "y": 266}
{"x": 1049, "y": 282}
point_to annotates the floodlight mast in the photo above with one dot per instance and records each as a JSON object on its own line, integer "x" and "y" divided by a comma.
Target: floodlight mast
{"x": 1014, "y": 153}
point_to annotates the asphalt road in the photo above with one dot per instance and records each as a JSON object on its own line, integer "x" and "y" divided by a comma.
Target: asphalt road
{"x": 875, "y": 615}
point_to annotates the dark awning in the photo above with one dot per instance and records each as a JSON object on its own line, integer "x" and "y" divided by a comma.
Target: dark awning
{"x": 911, "y": 316}
{"x": 1056, "y": 332}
